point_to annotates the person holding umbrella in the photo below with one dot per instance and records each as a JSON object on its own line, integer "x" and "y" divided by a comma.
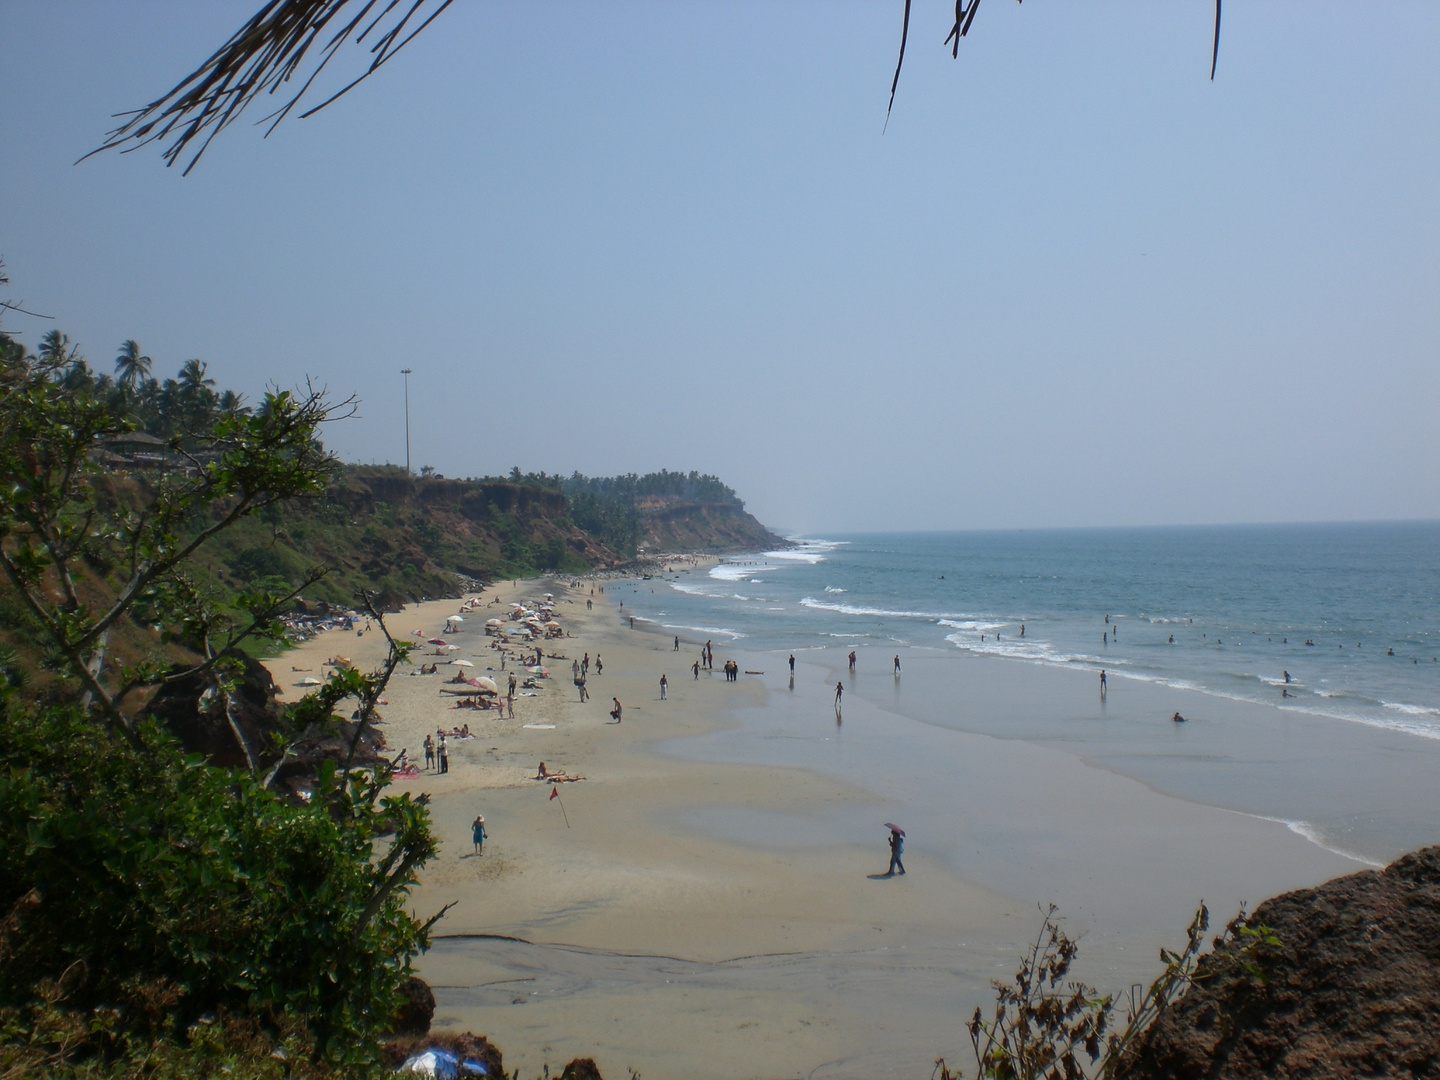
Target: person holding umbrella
{"x": 897, "y": 848}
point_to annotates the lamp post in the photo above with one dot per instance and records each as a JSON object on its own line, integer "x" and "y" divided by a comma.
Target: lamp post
{"x": 406, "y": 373}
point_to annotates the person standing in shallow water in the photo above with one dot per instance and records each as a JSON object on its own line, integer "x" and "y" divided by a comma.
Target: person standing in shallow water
{"x": 1102, "y": 683}
{"x": 897, "y": 663}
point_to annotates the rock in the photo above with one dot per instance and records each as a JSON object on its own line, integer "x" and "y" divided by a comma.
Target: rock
{"x": 418, "y": 1010}
{"x": 1352, "y": 989}
{"x": 463, "y": 1044}
{"x": 581, "y": 1069}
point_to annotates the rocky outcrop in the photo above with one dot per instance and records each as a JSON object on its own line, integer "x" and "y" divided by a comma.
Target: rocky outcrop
{"x": 1351, "y": 989}
{"x": 710, "y": 527}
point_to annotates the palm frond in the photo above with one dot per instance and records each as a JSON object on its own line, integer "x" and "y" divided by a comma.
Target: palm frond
{"x": 264, "y": 56}
{"x": 965, "y": 15}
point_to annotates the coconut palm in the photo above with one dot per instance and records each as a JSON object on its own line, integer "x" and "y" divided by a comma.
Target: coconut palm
{"x": 130, "y": 365}
{"x": 197, "y": 396}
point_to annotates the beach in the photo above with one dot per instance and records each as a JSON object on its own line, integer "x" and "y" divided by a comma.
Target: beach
{"x": 710, "y": 900}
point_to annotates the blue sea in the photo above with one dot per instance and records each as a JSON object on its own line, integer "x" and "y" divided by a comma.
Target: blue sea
{"x": 1350, "y": 611}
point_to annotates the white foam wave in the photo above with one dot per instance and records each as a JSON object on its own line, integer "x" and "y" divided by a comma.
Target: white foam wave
{"x": 853, "y": 609}
{"x": 1314, "y": 835}
{"x": 696, "y": 590}
{"x": 733, "y": 635}
{"x": 1410, "y": 710}
{"x": 973, "y": 625}
{"x": 832, "y": 589}
{"x": 736, "y": 572}
{"x": 1030, "y": 649}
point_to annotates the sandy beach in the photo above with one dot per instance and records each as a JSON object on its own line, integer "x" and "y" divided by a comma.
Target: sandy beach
{"x": 716, "y": 905}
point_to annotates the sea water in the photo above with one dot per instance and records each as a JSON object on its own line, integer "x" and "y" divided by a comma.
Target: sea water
{"x": 1351, "y": 612}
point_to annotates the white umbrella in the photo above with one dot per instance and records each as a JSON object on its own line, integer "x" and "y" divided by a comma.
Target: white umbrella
{"x": 485, "y": 683}
{"x": 454, "y": 618}
{"x": 309, "y": 680}
{"x": 462, "y": 663}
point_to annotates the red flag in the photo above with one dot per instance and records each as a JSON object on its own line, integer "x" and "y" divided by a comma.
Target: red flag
{"x": 554, "y": 793}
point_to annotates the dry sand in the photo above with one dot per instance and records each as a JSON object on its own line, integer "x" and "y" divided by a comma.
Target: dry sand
{"x": 640, "y": 937}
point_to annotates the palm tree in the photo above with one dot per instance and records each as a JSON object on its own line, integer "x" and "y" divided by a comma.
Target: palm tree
{"x": 57, "y": 350}
{"x": 232, "y": 404}
{"x": 197, "y": 398}
{"x": 130, "y": 366}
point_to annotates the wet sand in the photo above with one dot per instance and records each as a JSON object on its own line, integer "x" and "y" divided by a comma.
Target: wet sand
{"x": 716, "y": 905}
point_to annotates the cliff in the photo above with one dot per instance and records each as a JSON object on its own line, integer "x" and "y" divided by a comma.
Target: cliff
{"x": 674, "y": 525}
{"x": 1351, "y": 989}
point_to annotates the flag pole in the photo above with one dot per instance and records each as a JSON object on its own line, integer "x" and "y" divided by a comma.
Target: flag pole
{"x": 555, "y": 794}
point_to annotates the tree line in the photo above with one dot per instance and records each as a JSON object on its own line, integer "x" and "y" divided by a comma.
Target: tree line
{"x": 180, "y": 407}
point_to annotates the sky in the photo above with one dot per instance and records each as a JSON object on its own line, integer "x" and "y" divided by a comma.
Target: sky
{"x": 1073, "y": 283}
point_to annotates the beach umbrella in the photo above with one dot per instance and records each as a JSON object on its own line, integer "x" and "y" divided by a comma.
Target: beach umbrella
{"x": 894, "y": 828}
{"x": 462, "y": 663}
{"x": 485, "y": 683}
{"x": 309, "y": 680}
{"x": 493, "y": 622}
{"x": 436, "y": 641}
{"x": 454, "y": 618}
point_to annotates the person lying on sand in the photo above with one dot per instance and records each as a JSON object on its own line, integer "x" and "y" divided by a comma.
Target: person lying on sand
{"x": 546, "y": 774}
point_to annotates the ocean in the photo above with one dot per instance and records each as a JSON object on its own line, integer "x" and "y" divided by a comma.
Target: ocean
{"x": 1351, "y": 612}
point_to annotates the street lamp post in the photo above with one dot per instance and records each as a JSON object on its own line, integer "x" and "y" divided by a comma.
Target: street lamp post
{"x": 406, "y": 373}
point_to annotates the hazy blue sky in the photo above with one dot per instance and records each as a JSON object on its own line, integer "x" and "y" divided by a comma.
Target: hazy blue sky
{"x": 1075, "y": 283}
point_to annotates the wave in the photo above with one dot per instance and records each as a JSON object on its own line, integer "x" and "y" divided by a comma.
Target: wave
{"x": 733, "y": 635}
{"x": 832, "y": 589}
{"x": 1032, "y": 650}
{"x": 853, "y": 609}
{"x": 974, "y": 625}
{"x": 1411, "y": 710}
{"x": 736, "y": 572}
{"x": 1314, "y": 835}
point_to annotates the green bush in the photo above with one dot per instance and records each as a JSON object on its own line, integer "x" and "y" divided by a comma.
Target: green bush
{"x": 159, "y": 890}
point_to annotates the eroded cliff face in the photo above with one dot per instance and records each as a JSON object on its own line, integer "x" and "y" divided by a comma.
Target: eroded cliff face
{"x": 712, "y": 527}
{"x": 1351, "y": 990}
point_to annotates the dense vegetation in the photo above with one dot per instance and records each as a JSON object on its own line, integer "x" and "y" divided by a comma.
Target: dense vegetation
{"x": 154, "y": 908}
{"x": 608, "y": 507}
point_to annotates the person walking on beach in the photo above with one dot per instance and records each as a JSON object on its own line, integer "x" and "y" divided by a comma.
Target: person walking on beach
{"x": 580, "y": 685}
{"x": 677, "y": 644}
{"x": 429, "y": 753}
{"x": 599, "y": 664}
{"x": 897, "y": 848}
{"x": 442, "y": 755}
{"x": 897, "y": 663}
{"x": 632, "y": 622}
{"x": 478, "y": 834}
{"x": 696, "y": 669}
{"x": 664, "y": 685}
{"x": 839, "y": 693}
{"x": 1102, "y": 683}
{"x": 852, "y": 659}
{"x": 585, "y": 665}
{"x": 617, "y": 710}
{"x": 792, "y": 663}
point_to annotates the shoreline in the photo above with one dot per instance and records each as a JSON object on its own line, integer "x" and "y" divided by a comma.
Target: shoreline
{"x": 710, "y": 909}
